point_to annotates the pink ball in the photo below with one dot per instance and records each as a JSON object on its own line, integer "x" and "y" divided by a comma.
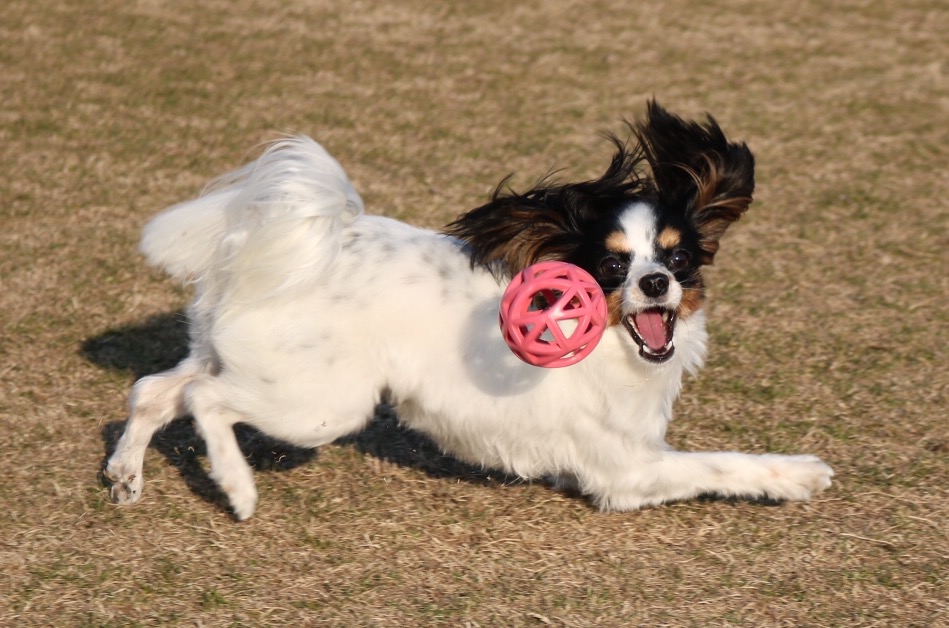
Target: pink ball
{"x": 553, "y": 314}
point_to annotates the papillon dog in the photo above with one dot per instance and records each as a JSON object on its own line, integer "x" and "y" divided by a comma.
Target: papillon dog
{"x": 308, "y": 313}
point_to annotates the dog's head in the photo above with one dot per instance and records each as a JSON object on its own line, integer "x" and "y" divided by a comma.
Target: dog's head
{"x": 644, "y": 234}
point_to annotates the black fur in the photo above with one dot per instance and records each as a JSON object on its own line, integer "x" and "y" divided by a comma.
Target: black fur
{"x": 698, "y": 181}
{"x": 513, "y": 230}
{"x": 697, "y": 173}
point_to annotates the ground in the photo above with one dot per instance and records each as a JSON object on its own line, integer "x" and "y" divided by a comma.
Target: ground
{"x": 828, "y": 309}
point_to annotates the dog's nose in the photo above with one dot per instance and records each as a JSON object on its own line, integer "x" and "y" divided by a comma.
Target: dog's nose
{"x": 654, "y": 285}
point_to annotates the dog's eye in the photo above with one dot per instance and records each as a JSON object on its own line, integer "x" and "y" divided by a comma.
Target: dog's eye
{"x": 612, "y": 268}
{"x": 678, "y": 260}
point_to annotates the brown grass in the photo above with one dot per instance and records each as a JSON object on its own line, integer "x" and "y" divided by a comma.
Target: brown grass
{"x": 829, "y": 312}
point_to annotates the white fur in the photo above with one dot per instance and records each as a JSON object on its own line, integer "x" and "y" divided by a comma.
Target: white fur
{"x": 639, "y": 226}
{"x": 307, "y": 311}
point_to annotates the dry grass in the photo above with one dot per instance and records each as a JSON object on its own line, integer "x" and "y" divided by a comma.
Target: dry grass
{"x": 829, "y": 320}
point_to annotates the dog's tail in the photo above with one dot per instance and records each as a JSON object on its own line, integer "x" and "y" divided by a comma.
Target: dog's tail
{"x": 272, "y": 224}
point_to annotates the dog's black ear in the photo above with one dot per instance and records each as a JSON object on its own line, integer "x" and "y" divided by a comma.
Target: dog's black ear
{"x": 696, "y": 168}
{"x": 549, "y": 222}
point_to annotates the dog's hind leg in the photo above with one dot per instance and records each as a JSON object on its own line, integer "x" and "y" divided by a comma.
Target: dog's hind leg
{"x": 215, "y": 422}
{"x": 155, "y": 401}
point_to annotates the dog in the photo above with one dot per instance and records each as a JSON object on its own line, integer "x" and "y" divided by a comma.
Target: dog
{"x": 308, "y": 313}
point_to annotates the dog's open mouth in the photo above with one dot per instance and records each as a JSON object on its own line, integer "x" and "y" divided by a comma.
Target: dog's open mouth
{"x": 652, "y": 330}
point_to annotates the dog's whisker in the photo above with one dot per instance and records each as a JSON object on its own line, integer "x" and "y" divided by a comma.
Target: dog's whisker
{"x": 309, "y": 312}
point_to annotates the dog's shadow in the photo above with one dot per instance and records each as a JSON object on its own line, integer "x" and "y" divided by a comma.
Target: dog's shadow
{"x": 160, "y": 342}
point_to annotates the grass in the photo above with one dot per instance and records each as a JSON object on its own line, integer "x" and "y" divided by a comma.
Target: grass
{"x": 828, "y": 318}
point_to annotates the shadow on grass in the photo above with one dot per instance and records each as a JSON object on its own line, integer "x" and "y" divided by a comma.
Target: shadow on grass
{"x": 160, "y": 342}
{"x": 155, "y": 345}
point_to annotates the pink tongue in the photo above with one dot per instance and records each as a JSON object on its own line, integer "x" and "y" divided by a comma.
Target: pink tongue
{"x": 652, "y": 329}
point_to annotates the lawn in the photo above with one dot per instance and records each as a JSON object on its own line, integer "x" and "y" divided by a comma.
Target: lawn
{"x": 829, "y": 309}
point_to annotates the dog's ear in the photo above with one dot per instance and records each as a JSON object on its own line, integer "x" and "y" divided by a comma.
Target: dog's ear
{"x": 549, "y": 222}
{"x": 513, "y": 231}
{"x": 696, "y": 168}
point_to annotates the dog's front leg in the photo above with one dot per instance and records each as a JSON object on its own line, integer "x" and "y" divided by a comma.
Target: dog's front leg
{"x": 675, "y": 475}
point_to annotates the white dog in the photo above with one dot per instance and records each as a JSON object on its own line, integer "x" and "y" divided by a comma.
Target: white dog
{"x": 308, "y": 313}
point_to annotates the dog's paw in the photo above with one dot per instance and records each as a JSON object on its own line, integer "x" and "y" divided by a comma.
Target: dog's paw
{"x": 243, "y": 501}
{"x": 127, "y": 482}
{"x": 237, "y": 483}
{"x": 796, "y": 478}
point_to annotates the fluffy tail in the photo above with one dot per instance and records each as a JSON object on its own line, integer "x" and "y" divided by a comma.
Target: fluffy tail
{"x": 269, "y": 225}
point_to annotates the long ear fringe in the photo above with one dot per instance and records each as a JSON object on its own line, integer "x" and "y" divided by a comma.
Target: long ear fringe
{"x": 695, "y": 166}
{"x": 514, "y": 230}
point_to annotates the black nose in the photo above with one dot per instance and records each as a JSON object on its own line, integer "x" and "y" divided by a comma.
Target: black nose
{"x": 654, "y": 285}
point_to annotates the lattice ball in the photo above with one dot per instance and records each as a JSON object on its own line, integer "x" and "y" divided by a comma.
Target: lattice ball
{"x": 553, "y": 314}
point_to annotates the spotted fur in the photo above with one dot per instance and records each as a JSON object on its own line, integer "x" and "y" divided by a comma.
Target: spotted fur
{"x": 308, "y": 313}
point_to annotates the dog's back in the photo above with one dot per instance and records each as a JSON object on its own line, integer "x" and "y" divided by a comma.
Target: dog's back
{"x": 307, "y": 313}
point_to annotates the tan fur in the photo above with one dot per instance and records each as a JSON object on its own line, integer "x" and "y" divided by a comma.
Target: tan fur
{"x": 692, "y": 299}
{"x": 669, "y": 238}
{"x": 727, "y": 209}
{"x": 618, "y": 243}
